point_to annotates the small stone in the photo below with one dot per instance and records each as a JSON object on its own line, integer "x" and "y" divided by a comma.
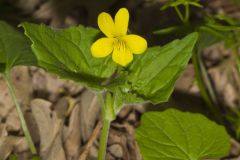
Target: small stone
{"x": 93, "y": 154}
{"x": 139, "y": 107}
{"x": 124, "y": 112}
{"x": 132, "y": 118}
{"x": 12, "y": 122}
{"x": 116, "y": 150}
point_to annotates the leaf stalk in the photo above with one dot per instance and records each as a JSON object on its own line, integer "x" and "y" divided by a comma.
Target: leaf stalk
{"x": 20, "y": 114}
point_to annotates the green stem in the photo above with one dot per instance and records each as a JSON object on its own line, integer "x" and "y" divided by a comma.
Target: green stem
{"x": 108, "y": 115}
{"x": 104, "y": 139}
{"x": 179, "y": 14}
{"x": 187, "y": 14}
{"x": 205, "y": 86}
{"x": 20, "y": 114}
{"x": 236, "y": 55}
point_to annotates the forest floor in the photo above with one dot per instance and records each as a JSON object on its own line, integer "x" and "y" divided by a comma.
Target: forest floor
{"x": 64, "y": 118}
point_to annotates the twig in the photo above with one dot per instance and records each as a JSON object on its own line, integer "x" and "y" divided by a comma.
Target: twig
{"x": 91, "y": 140}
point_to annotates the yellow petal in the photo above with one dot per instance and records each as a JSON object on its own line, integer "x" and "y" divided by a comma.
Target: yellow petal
{"x": 106, "y": 24}
{"x": 121, "y": 22}
{"x": 136, "y": 43}
{"x": 102, "y": 47}
{"x": 122, "y": 55}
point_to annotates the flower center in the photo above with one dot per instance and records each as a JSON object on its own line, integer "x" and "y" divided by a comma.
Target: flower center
{"x": 120, "y": 44}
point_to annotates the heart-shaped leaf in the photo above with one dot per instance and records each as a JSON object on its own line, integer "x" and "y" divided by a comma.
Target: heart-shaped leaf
{"x": 66, "y": 52}
{"x": 179, "y": 135}
{"x": 14, "y": 48}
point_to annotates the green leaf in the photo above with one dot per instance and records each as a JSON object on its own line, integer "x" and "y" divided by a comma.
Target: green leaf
{"x": 14, "y": 48}
{"x": 196, "y": 4}
{"x": 176, "y": 3}
{"x": 238, "y": 63}
{"x": 179, "y": 135}
{"x": 229, "y": 20}
{"x": 36, "y": 158}
{"x": 168, "y": 30}
{"x": 153, "y": 75}
{"x": 12, "y": 157}
{"x": 221, "y": 27}
{"x": 66, "y": 52}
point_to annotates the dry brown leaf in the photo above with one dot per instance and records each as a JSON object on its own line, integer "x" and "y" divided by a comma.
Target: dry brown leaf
{"x": 185, "y": 83}
{"x": 50, "y": 86}
{"x": 3, "y": 130}
{"x": 32, "y": 126}
{"x": 72, "y": 140}
{"x": 26, "y": 5}
{"x": 116, "y": 150}
{"x": 6, "y": 103}
{"x": 23, "y": 85}
{"x": 61, "y": 107}
{"x": 12, "y": 121}
{"x": 46, "y": 85}
{"x": 235, "y": 147}
{"x": 7, "y": 143}
{"x": 226, "y": 84}
{"x": 44, "y": 12}
{"x": 90, "y": 112}
{"x": 50, "y": 128}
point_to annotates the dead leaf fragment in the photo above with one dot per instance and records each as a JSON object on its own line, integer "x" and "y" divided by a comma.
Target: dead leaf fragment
{"x": 73, "y": 137}
{"x": 90, "y": 112}
{"x": 50, "y": 128}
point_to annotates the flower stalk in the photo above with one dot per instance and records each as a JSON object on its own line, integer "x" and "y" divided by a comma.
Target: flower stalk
{"x": 104, "y": 139}
{"x": 108, "y": 116}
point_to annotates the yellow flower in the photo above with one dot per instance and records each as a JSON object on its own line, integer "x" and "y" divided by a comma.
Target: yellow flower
{"x": 117, "y": 42}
